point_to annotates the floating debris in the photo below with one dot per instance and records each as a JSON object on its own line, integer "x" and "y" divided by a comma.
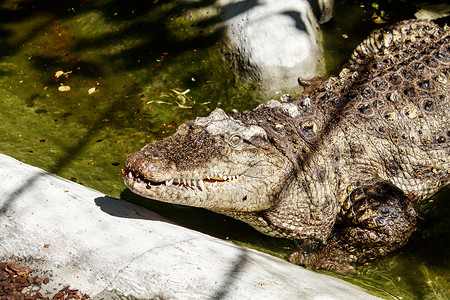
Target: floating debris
{"x": 158, "y": 101}
{"x": 181, "y": 96}
{"x": 60, "y": 73}
{"x": 64, "y": 88}
{"x": 176, "y": 91}
{"x": 92, "y": 90}
{"x": 182, "y": 105}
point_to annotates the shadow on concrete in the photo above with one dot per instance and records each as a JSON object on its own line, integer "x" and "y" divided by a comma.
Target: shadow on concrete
{"x": 232, "y": 275}
{"x": 122, "y": 209}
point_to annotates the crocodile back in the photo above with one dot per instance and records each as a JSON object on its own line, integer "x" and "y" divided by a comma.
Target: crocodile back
{"x": 387, "y": 113}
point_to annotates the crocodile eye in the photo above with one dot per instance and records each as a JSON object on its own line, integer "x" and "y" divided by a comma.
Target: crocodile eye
{"x": 235, "y": 140}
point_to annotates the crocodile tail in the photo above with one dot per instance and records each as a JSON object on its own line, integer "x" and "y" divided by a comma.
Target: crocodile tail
{"x": 399, "y": 33}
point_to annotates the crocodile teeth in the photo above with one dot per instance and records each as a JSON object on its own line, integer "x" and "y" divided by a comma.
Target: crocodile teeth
{"x": 130, "y": 175}
{"x": 196, "y": 184}
{"x": 201, "y": 184}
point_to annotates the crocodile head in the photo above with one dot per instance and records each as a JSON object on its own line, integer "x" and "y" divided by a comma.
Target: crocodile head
{"x": 214, "y": 162}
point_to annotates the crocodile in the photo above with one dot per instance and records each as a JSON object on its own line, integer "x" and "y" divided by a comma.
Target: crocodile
{"x": 337, "y": 169}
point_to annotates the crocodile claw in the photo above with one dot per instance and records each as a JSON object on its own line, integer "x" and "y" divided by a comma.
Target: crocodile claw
{"x": 321, "y": 260}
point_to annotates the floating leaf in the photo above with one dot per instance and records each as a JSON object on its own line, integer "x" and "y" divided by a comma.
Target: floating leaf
{"x": 60, "y": 73}
{"x": 64, "y": 88}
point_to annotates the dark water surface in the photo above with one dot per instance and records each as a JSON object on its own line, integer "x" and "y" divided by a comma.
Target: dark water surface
{"x": 138, "y": 69}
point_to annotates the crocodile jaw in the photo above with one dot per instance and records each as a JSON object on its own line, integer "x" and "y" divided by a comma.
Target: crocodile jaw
{"x": 218, "y": 191}
{"x": 205, "y": 165}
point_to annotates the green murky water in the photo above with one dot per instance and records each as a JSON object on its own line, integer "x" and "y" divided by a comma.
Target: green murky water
{"x": 84, "y": 83}
{"x": 126, "y": 64}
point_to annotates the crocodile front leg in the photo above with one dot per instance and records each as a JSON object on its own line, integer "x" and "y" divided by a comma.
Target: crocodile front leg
{"x": 376, "y": 219}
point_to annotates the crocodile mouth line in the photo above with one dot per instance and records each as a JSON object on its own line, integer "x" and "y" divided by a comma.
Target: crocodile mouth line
{"x": 211, "y": 182}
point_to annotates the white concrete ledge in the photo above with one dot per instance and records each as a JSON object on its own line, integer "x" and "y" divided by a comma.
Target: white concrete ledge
{"x": 105, "y": 247}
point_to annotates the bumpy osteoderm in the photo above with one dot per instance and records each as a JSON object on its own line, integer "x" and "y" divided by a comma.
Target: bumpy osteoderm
{"x": 338, "y": 168}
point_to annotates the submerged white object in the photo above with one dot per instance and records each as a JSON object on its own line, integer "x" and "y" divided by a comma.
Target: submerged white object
{"x": 107, "y": 247}
{"x": 274, "y": 42}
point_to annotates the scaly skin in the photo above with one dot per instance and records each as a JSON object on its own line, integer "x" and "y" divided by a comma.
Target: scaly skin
{"x": 338, "y": 168}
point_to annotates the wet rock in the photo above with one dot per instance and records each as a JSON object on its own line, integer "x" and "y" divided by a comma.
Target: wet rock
{"x": 274, "y": 42}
